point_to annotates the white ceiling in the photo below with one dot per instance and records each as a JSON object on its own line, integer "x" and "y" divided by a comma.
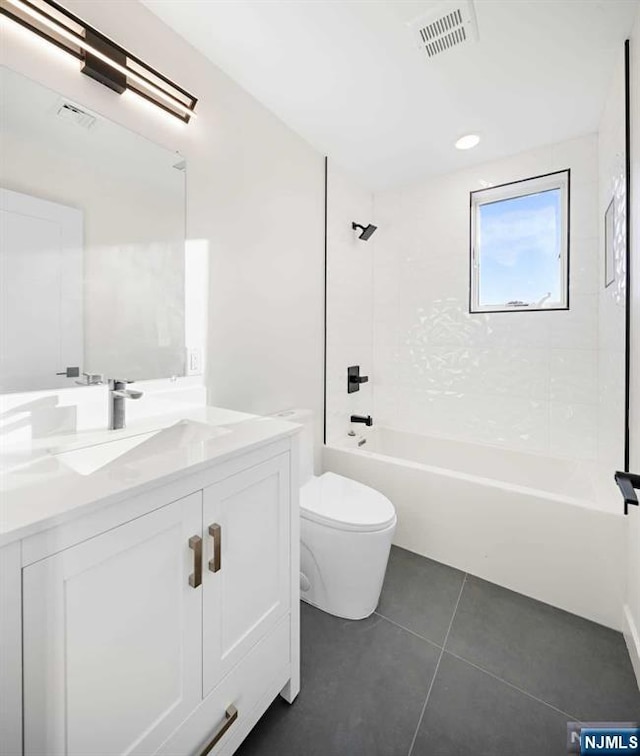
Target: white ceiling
{"x": 348, "y": 75}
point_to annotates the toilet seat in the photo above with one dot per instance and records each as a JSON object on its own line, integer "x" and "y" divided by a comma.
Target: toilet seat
{"x": 344, "y": 504}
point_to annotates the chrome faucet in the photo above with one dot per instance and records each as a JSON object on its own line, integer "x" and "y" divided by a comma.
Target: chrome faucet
{"x": 117, "y": 395}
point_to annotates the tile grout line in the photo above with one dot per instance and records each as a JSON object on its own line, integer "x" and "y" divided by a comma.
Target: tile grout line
{"x": 570, "y": 717}
{"x": 435, "y": 672}
{"x": 413, "y": 632}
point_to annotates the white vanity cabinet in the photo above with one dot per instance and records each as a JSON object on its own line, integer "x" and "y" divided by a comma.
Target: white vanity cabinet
{"x": 169, "y": 632}
{"x": 247, "y": 578}
{"x": 112, "y": 638}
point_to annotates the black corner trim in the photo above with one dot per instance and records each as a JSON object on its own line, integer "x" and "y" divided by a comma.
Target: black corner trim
{"x": 629, "y": 188}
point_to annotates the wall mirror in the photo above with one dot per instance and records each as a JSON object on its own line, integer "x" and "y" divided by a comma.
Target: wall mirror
{"x": 92, "y": 246}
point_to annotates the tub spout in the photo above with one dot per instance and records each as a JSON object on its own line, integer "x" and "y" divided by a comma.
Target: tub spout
{"x": 368, "y": 420}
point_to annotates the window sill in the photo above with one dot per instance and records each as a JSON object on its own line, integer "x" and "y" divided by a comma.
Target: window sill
{"x": 490, "y": 309}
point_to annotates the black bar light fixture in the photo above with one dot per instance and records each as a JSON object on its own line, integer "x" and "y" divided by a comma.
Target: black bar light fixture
{"x": 103, "y": 60}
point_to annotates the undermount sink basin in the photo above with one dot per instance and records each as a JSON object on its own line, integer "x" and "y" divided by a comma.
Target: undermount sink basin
{"x": 123, "y": 451}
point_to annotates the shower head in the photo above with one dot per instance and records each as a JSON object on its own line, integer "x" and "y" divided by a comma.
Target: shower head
{"x": 367, "y": 231}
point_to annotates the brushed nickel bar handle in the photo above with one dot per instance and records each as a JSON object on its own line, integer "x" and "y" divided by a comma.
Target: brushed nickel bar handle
{"x": 195, "y": 579}
{"x": 230, "y": 716}
{"x": 215, "y": 531}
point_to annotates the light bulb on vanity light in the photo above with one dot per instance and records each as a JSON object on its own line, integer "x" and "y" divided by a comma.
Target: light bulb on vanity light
{"x": 467, "y": 141}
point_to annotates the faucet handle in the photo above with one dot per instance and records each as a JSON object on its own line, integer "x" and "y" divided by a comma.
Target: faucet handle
{"x": 91, "y": 379}
{"x": 354, "y": 379}
{"x": 70, "y": 372}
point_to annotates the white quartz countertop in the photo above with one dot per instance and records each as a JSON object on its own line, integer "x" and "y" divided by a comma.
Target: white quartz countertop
{"x": 47, "y": 482}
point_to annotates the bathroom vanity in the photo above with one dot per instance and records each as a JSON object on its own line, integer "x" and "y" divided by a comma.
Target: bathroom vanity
{"x": 148, "y": 586}
{"x": 148, "y": 574}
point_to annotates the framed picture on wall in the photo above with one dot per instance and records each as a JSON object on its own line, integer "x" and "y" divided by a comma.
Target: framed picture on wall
{"x": 609, "y": 230}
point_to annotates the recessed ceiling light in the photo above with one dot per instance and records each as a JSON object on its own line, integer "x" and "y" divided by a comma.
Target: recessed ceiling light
{"x": 467, "y": 142}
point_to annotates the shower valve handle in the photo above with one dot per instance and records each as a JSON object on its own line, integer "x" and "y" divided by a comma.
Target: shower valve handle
{"x": 354, "y": 379}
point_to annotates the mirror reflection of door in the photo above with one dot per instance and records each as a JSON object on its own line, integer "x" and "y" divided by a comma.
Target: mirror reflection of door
{"x": 41, "y": 308}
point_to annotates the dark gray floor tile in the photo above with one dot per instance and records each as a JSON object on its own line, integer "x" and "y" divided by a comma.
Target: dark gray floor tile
{"x": 420, "y": 594}
{"x": 573, "y": 664}
{"x": 363, "y": 688}
{"x": 472, "y": 713}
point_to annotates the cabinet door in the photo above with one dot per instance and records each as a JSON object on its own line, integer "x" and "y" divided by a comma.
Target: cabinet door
{"x": 246, "y": 590}
{"x": 112, "y": 638}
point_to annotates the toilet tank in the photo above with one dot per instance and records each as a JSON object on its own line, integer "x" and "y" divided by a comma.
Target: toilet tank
{"x": 306, "y": 439}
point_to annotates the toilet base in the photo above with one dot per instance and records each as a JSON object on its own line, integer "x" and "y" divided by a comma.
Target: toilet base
{"x": 341, "y": 616}
{"x": 344, "y": 570}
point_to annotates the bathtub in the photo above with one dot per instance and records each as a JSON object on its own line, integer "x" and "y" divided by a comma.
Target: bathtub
{"x": 549, "y": 528}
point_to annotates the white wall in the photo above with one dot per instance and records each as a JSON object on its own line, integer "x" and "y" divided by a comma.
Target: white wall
{"x": 254, "y": 199}
{"x": 632, "y": 609}
{"x": 524, "y": 381}
{"x": 349, "y": 301}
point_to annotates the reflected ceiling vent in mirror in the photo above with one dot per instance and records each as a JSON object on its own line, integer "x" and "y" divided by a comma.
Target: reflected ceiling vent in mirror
{"x": 446, "y": 26}
{"x": 70, "y": 112}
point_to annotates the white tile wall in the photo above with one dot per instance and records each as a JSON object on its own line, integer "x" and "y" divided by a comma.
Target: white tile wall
{"x": 350, "y": 291}
{"x": 520, "y": 380}
{"x": 573, "y": 430}
{"x": 611, "y": 301}
{"x": 545, "y": 382}
{"x": 573, "y": 375}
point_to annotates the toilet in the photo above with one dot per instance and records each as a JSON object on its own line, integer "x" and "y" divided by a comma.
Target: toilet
{"x": 346, "y": 530}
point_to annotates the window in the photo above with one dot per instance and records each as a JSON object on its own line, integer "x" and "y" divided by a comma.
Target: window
{"x": 520, "y": 245}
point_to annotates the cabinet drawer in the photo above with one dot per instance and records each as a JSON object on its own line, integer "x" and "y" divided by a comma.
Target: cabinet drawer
{"x": 228, "y": 713}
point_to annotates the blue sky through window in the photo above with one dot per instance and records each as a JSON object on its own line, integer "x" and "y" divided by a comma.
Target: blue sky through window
{"x": 519, "y": 249}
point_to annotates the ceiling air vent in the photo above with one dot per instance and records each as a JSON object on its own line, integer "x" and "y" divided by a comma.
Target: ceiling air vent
{"x": 70, "y": 112}
{"x": 446, "y": 26}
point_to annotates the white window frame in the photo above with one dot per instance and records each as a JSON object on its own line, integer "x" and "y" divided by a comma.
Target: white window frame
{"x": 559, "y": 180}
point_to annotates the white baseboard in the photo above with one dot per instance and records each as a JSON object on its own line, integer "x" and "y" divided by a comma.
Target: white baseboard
{"x": 632, "y": 637}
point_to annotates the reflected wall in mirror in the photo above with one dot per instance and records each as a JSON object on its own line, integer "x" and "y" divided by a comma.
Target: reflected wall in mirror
{"x": 92, "y": 246}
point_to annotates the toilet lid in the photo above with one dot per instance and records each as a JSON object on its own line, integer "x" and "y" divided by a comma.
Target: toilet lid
{"x": 345, "y": 504}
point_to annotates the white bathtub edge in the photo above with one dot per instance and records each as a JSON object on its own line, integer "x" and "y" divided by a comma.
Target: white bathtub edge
{"x": 487, "y": 482}
{"x": 632, "y": 638}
